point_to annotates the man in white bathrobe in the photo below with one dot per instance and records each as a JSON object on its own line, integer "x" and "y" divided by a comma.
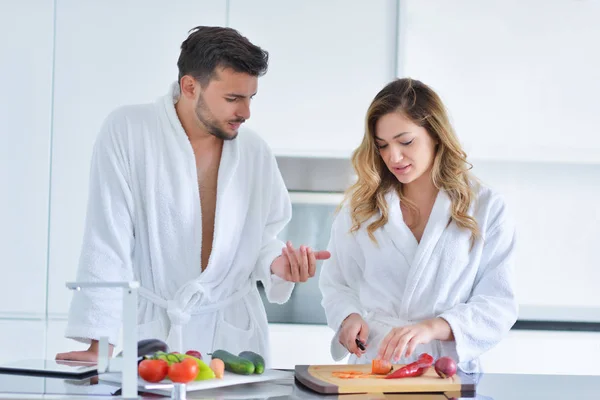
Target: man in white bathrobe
{"x": 181, "y": 203}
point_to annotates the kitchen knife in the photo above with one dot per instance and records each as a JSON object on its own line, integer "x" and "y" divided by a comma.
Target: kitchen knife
{"x": 360, "y": 344}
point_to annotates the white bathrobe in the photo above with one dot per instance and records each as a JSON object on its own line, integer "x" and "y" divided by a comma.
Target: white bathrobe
{"x": 144, "y": 223}
{"x": 402, "y": 282}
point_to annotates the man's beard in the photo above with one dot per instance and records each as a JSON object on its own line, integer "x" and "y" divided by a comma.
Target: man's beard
{"x": 208, "y": 120}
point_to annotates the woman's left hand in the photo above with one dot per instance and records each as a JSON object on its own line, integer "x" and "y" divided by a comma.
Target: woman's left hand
{"x": 407, "y": 338}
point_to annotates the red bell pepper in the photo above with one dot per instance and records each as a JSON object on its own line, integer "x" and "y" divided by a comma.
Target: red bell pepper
{"x": 416, "y": 368}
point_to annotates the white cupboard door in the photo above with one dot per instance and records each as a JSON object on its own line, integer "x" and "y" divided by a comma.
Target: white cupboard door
{"x": 108, "y": 54}
{"x": 56, "y": 342}
{"x": 544, "y": 352}
{"x": 328, "y": 59}
{"x": 298, "y": 344}
{"x": 21, "y": 339}
{"x": 26, "y": 28}
{"x": 520, "y": 78}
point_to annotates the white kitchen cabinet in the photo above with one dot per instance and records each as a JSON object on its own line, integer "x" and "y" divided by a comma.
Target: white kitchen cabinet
{"x": 545, "y": 352}
{"x": 22, "y": 339}
{"x": 108, "y": 53}
{"x": 295, "y": 344}
{"x": 328, "y": 59}
{"x": 521, "y": 352}
{"x": 520, "y": 78}
{"x": 25, "y": 120}
{"x": 556, "y": 257}
{"x": 56, "y": 342}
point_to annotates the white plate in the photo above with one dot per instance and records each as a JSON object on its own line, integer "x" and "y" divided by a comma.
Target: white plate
{"x": 229, "y": 379}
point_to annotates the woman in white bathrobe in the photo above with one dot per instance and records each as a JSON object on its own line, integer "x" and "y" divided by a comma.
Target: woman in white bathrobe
{"x": 422, "y": 253}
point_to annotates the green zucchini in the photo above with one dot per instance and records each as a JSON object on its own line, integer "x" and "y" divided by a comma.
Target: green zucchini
{"x": 256, "y": 359}
{"x": 233, "y": 363}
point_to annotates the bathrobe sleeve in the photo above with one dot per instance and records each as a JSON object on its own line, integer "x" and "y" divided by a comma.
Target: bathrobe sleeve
{"x": 106, "y": 253}
{"x": 279, "y": 213}
{"x": 341, "y": 274}
{"x": 490, "y": 312}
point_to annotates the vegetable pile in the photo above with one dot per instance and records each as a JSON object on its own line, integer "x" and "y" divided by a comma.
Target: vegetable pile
{"x": 188, "y": 367}
{"x": 445, "y": 367}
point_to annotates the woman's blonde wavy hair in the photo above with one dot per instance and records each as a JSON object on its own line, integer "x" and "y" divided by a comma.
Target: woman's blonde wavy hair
{"x": 450, "y": 171}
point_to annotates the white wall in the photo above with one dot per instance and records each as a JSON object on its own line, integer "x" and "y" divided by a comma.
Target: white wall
{"x": 525, "y": 110}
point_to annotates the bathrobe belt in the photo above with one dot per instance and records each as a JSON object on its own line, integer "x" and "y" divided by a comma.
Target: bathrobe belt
{"x": 179, "y": 314}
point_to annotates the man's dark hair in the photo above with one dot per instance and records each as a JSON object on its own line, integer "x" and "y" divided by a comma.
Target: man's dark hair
{"x": 209, "y": 47}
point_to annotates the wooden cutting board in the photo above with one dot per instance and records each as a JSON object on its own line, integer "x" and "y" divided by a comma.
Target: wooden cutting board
{"x": 320, "y": 379}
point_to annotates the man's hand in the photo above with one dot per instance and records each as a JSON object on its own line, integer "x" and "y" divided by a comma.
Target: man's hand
{"x": 89, "y": 355}
{"x": 297, "y": 265}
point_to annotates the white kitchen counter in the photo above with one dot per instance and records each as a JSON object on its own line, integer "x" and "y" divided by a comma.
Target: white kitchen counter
{"x": 553, "y": 352}
{"x": 559, "y": 313}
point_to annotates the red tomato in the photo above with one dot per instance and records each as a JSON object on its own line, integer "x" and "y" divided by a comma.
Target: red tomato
{"x": 153, "y": 370}
{"x": 183, "y": 372}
